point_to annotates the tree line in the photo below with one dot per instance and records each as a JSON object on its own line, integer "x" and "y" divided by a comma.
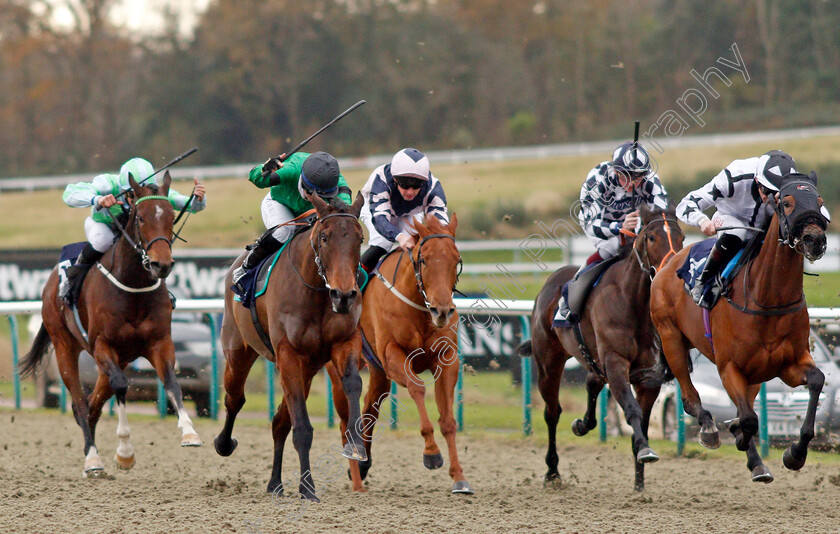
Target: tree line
{"x": 257, "y": 76}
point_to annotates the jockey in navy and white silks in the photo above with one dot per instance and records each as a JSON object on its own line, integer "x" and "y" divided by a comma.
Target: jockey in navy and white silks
{"x": 397, "y": 194}
{"x": 739, "y": 194}
{"x": 609, "y": 201}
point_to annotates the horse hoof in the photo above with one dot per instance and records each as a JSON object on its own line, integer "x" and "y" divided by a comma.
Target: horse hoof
{"x": 191, "y": 440}
{"x": 463, "y": 487}
{"x": 578, "y": 428}
{"x": 351, "y": 452}
{"x": 791, "y": 462}
{"x": 225, "y": 450}
{"x": 124, "y": 463}
{"x": 94, "y": 468}
{"x": 762, "y": 474}
{"x": 275, "y": 488}
{"x": 311, "y": 497}
{"x": 433, "y": 461}
{"x": 710, "y": 440}
{"x": 646, "y": 456}
{"x": 552, "y": 479}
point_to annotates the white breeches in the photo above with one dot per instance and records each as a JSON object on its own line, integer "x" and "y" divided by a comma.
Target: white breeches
{"x": 274, "y": 213}
{"x": 99, "y": 235}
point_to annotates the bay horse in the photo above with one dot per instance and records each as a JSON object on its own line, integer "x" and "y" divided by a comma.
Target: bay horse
{"x": 618, "y": 335}
{"x": 410, "y": 321}
{"x": 310, "y": 314}
{"x": 125, "y": 312}
{"x": 760, "y": 333}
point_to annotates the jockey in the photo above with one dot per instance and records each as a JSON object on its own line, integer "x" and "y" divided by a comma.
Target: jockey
{"x": 290, "y": 180}
{"x": 397, "y": 194}
{"x": 100, "y": 228}
{"x": 742, "y": 193}
{"x": 609, "y": 202}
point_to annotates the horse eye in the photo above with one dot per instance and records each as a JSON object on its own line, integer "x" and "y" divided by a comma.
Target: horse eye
{"x": 323, "y": 238}
{"x": 651, "y": 238}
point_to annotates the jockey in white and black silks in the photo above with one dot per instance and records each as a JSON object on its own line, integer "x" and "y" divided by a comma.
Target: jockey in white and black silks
{"x": 610, "y": 199}
{"x": 397, "y": 194}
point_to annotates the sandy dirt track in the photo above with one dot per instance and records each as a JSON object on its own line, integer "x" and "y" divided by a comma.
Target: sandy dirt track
{"x": 194, "y": 490}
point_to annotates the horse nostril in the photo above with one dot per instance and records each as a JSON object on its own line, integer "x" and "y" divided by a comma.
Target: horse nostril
{"x": 352, "y": 294}
{"x": 435, "y": 312}
{"x": 335, "y": 294}
{"x": 450, "y": 313}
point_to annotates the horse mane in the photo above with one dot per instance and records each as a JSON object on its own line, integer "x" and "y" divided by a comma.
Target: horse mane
{"x": 648, "y": 213}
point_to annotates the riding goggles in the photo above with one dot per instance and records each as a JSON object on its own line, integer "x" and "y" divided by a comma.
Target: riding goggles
{"x": 409, "y": 182}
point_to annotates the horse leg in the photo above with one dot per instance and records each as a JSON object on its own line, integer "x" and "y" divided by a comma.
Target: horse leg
{"x": 295, "y": 378}
{"x": 646, "y": 392}
{"x": 341, "y": 406}
{"x": 550, "y": 374}
{"x": 379, "y": 390}
{"x": 444, "y": 397}
{"x": 238, "y": 363}
{"x": 594, "y": 385}
{"x": 398, "y": 369}
{"x": 674, "y": 346}
{"x": 113, "y": 382}
{"x": 745, "y": 427}
{"x": 281, "y": 425}
{"x": 162, "y": 357}
{"x": 795, "y": 455}
{"x": 345, "y": 358}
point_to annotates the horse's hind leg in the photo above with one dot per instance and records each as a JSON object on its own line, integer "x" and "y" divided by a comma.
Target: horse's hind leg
{"x": 238, "y": 363}
{"x": 594, "y": 385}
{"x": 163, "y": 358}
{"x": 795, "y": 455}
{"x": 550, "y": 374}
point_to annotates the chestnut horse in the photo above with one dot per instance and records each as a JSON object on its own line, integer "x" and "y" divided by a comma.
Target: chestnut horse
{"x": 761, "y": 332}
{"x": 410, "y": 321}
{"x": 125, "y": 312}
{"x": 618, "y": 334}
{"x": 311, "y": 316}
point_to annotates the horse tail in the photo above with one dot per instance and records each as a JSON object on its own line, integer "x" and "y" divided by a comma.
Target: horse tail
{"x": 525, "y": 349}
{"x": 36, "y": 354}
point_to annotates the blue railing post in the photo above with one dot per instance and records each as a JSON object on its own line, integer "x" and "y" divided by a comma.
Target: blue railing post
{"x": 161, "y": 400}
{"x": 762, "y": 421}
{"x": 13, "y": 326}
{"x": 603, "y": 403}
{"x": 269, "y": 387}
{"x": 330, "y": 404}
{"x": 214, "y": 368}
{"x": 62, "y": 396}
{"x": 679, "y": 409}
{"x": 527, "y": 382}
{"x": 394, "y": 402}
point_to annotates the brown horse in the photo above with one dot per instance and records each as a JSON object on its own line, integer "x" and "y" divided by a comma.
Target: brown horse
{"x": 125, "y": 312}
{"x": 310, "y": 313}
{"x": 410, "y": 321}
{"x": 760, "y": 333}
{"x": 618, "y": 335}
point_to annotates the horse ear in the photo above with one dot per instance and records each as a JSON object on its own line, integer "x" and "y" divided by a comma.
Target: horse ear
{"x": 320, "y": 205}
{"x": 453, "y": 224}
{"x": 646, "y": 213}
{"x": 813, "y": 177}
{"x": 133, "y": 183}
{"x": 167, "y": 181}
{"x": 356, "y": 207}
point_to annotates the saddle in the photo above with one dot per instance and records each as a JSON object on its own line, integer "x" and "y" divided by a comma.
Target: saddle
{"x": 577, "y": 289}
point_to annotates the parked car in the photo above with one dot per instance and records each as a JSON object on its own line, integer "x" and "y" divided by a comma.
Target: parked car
{"x": 785, "y": 406}
{"x": 191, "y": 336}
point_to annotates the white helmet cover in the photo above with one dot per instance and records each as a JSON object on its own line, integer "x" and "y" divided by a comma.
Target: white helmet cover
{"x": 410, "y": 162}
{"x": 772, "y": 167}
{"x": 139, "y": 168}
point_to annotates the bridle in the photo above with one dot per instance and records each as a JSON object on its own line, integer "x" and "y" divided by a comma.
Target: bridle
{"x": 139, "y": 247}
{"x": 317, "y": 251}
{"x": 645, "y": 263}
{"x": 418, "y": 274}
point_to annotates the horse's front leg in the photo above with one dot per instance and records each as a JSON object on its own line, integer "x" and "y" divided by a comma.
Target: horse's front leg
{"x": 745, "y": 427}
{"x": 795, "y": 455}
{"x": 400, "y": 369}
{"x": 594, "y": 385}
{"x": 295, "y": 379}
{"x": 447, "y": 372}
{"x": 162, "y": 358}
{"x": 113, "y": 382}
{"x": 345, "y": 358}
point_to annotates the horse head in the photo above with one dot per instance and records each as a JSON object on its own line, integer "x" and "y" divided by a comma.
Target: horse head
{"x": 437, "y": 264}
{"x": 150, "y": 222}
{"x": 336, "y": 240}
{"x": 802, "y": 216}
{"x": 660, "y": 239}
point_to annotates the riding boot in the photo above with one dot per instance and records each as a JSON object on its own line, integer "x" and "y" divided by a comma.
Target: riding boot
{"x": 257, "y": 252}
{"x": 724, "y": 250}
{"x": 76, "y": 273}
{"x": 371, "y": 257}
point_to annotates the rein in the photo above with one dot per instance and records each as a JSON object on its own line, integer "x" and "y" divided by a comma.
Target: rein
{"x": 317, "y": 251}
{"x": 144, "y": 258}
{"x": 650, "y": 269}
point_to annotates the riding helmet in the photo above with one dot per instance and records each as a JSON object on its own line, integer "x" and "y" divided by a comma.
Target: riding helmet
{"x": 410, "y": 162}
{"x": 319, "y": 173}
{"x": 139, "y": 168}
{"x": 772, "y": 168}
{"x": 631, "y": 159}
